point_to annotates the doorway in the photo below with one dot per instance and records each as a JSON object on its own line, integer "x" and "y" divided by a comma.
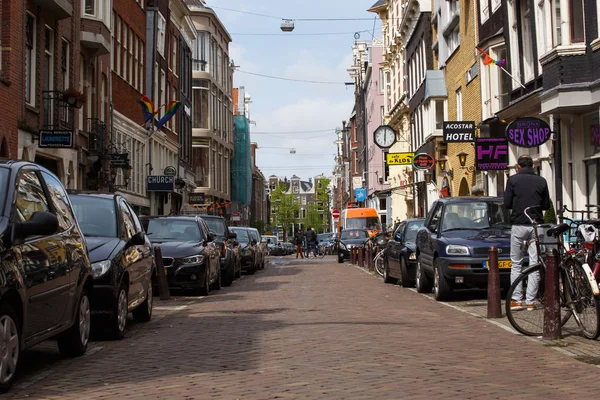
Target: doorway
{"x": 463, "y": 190}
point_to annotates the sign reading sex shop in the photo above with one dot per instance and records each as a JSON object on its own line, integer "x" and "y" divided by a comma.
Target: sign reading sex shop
{"x": 528, "y": 132}
{"x": 491, "y": 154}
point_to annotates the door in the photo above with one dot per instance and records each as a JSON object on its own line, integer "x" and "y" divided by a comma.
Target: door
{"x": 428, "y": 240}
{"x": 145, "y": 264}
{"x": 210, "y": 252}
{"x": 132, "y": 255}
{"x": 43, "y": 261}
{"x": 395, "y": 247}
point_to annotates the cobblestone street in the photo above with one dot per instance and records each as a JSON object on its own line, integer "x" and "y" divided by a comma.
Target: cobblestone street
{"x": 308, "y": 329}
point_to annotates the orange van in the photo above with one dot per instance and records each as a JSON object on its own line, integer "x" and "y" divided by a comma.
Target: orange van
{"x": 364, "y": 218}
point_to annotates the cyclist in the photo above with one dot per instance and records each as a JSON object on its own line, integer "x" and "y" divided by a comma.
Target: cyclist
{"x": 525, "y": 189}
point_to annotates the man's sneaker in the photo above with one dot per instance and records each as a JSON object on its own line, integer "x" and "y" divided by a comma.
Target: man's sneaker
{"x": 532, "y": 307}
{"x": 516, "y": 305}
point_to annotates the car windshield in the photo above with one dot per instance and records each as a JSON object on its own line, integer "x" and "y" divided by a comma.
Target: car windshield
{"x": 411, "y": 230}
{"x": 354, "y": 234}
{"x": 475, "y": 215}
{"x": 364, "y": 223}
{"x": 97, "y": 216}
{"x": 254, "y": 235}
{"x": 3, "y": 183}
{"x": 215, "y": 225}
{"x": 324, "y": 237}
{"x": 173, "y": 230}
{"x": 242, "y": 235}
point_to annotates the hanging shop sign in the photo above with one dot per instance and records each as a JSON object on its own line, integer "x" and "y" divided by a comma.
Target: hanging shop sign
{"x": 491, "y": 154}
{"x": 528, "y": 132}
{"x": 56, "y": 139}
{"x": 458, "y": 131}
{"x": 399, "y": 158}
{"x": 423, "y": 161}
{"x": 170, "y": 171}
{"x": 196, "y": 198}
{"x": 119, "y": 160}
{"x": 160, "y": 183}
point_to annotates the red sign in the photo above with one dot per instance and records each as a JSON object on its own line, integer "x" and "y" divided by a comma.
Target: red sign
{"x": 423, "y": 161}
{"x": 236, "y": 217}
{"x": 335, "y": 214}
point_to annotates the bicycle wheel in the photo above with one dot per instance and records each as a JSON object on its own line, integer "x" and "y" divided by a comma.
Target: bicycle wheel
{"x": 378, "y": 262}
{"x": 321, "y": 252}
{"x": 585, "y": 305}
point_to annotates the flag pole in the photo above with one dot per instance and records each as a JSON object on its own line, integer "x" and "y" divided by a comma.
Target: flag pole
{"x": 513, "y": 78}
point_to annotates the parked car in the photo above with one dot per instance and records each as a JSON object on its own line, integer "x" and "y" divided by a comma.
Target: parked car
{"x": 261, "y": 248}
{"x": 327, "y": 240}
{"x": 189, "y": 254}
{"x": 231, "y": 266}
{"x": 248, "y": 249}
{"x": 452, "y": 245}
{"x": 46, "y": 273}
{"x": 350, "y": 238}
{"x": 400, "y": 259}
{"x": 275, "y": 248}
{"x": 122, "y": 260}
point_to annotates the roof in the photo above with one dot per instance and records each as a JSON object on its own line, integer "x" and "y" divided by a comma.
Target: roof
{"x": 306, "y": 186}
{"x": 378, "y": 4}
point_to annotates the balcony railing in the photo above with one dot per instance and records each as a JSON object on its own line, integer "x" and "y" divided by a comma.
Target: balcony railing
{"x": 58, "y": 115}
{"x": 96, "y": 130}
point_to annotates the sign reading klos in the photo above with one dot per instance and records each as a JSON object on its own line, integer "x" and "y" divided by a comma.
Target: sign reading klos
{"x": 491, "y": 154}
{"x": 399, "y": 158}
{"x": 423, "y": 161}
{"x": 528, "y": 132}
{"x": 459, "y": 131}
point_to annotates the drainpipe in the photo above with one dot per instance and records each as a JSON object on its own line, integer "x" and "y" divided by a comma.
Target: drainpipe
{"x": 558, "y": 178}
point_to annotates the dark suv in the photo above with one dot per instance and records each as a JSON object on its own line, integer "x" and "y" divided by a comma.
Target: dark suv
{"x": 45, "y": 270}
{"x": 231, "y": 264}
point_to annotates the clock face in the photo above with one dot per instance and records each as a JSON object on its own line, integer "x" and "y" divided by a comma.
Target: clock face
{"x": 385, "y": 136}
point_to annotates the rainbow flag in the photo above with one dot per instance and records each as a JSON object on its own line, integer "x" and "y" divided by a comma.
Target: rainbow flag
{"x": 147, "y": 108}
{"x": 489, "y": 60}
{"x": 172, "y": 108}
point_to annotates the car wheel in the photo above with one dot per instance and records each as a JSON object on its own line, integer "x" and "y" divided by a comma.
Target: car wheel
{"x": 10, "y": 341}
{"x": 340, "y": 259}
{"x": 441, "y": 288}
{"x": 205, "y": 289}
{"x": 404, "y": 274}
{"x": 386, "y": 273}
{"x": 118, "y": 321}
{"x": 74, "y": 341}
{"x": 144, "y": 311}
{"x": 423, "y": 282}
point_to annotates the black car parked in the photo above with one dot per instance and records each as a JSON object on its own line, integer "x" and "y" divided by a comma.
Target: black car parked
{"x": 190, "y": 257}
{"x": 231, "y": 266}
{"x": 400, "y": 260}
{"x": 122, "y": 260}
{"x": 350, "y": 238}
{"x": 46, "y": 276}
{"x": 248, "y": 249}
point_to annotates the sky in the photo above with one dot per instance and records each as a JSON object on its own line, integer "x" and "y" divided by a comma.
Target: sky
{"x": 282, "y": 109}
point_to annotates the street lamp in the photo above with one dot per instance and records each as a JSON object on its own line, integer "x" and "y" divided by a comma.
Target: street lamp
{"x": 462, "y": 158}
{"x": 442, "y": 163}
{"x": 428, "y": 175}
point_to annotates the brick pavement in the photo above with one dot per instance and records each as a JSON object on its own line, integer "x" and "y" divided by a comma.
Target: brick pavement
{"x": 309, "y": 329}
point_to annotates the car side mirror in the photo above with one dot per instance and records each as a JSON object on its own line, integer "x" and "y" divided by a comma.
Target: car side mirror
{"x": 398, "y": 237}
{"x": 139, "y": 239}
{"x": 41, "y": 223}
{"x": 232, "y": 235}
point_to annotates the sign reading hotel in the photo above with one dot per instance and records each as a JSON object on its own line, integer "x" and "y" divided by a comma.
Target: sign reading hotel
{"x": 399, "y": 158}
{"x": 459, "y": 131}
{"x": 491, "y": 154}
{"x": 528, "y": 132}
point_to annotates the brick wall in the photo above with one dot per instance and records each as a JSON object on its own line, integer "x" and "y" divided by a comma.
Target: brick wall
{"x": 457, "y": 66}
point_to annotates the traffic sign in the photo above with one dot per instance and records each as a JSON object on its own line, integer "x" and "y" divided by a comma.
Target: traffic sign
{"x": 335, "y": 214}
{"x": 360, "y": 194}
{"x": 236, "y": 217}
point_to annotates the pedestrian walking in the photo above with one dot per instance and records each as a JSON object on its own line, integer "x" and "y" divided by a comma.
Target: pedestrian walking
{"x": 298, "y": 238}
{"x": 525, "y": 189}
{"x": 311, "y": 241}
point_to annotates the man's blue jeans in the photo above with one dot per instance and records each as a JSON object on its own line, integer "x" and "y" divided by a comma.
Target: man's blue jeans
{"x": 519, "y": 234}
{"x": 310, "y": 246}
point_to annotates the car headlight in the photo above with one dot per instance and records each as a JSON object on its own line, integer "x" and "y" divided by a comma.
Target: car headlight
{"x": 100, "y": 268}
{"x": 246, "y": 251}
{"x": 192, "y": 260}
{"x": 343, "y": 246}
{"x": 457, "y": 250}
{"x": 412, "y": 256}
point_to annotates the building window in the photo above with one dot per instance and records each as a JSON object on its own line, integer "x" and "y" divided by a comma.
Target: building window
{"x": 65, "y": 64}
{"x": 48, "y": 73}
{"x": 577, "y": 22}
{"x": 200, "y": 61}
{"x": 173, "y": 120}
{"x": 162, "y": 25}
{"x": 459, "y": 105}
{"x": 200, "y": 108}
{"x": 526, "y": 41}
{"x": 130, "y": 57}
{"x": 118, "y": 52}
{"x": 90, "y": 8}
{"x": 30, "y": 44}
{"x": 174, "y": 56}
{"x": 556, "y": 22}
{"x": 125, "y": 52}
{"x": 542, "y": 28}
{"x": 439, "y": 114}
{"x": 141, "y": 67}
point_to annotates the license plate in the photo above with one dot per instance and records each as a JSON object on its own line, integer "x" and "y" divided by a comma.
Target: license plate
{"x": 502, "y": 264}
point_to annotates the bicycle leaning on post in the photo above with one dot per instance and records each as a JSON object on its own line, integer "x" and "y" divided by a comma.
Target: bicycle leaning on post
{"x": 576, "y": 295}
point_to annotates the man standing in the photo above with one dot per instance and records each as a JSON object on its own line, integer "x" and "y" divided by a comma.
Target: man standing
{"x": 523, "y": 190}
{"x": 311, "y": 241}
{"x": 298, "y": 237}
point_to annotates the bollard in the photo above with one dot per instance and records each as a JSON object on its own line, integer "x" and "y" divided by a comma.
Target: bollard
{"x": 552, "y": 329}
{"x": 161, "y": 276}
{"x": 352, "y": 258}
{"x": 361, "y": 256}
{"x": 370, "y": 258}
{"x": 494, "y": 309}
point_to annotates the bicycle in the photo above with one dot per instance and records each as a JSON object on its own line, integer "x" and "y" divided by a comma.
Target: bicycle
{"x": 576, "y": 296}
{"x": 379, "y": 261}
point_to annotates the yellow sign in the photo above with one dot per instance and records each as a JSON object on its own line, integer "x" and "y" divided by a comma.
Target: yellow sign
{"x": 399, "y": 158}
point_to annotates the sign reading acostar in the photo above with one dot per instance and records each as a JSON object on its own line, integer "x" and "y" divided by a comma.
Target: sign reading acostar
{"x": 459, "y": 131}
{"x": 399, "y": 158}
{"x": 528, "y": 132}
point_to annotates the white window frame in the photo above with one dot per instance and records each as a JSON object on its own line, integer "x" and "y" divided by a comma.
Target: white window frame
{"x": 162, "y": 26}
{"x": 174, "y": 56}
{"x": 484, "y": 10}
{"x": 459, "y": 104}
{"x": 49, "y": 51}
{"x": 515, "y": 57}
{"x": 118, "y": 31}
{"x": 125, "y": 42}
{"x": 527, "y": 41}
{"x": 66, "y": 74}
{"x": 30, "y": 74}
{"x": 132, "y": 36}
{"x": 135, "y": 71}
{"x": 101, "y": 11}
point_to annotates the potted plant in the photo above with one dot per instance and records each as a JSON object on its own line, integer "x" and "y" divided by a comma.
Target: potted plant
{"x": 74, "y": 97}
